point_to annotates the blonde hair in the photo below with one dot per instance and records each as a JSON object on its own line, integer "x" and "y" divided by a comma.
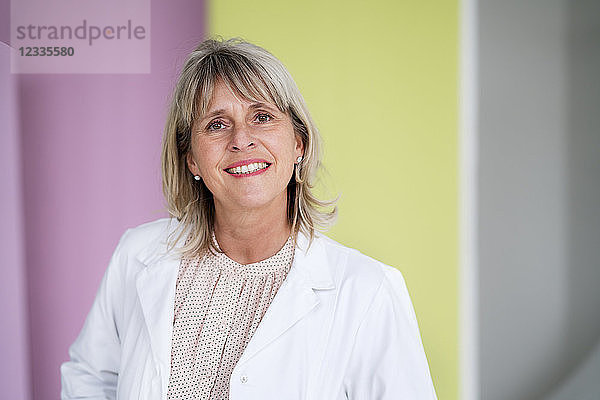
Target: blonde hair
{"x": 256, "y": 75}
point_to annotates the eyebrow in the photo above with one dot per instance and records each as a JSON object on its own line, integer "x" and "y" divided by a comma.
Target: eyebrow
{"x": 254, "y": 106}
{"x": 262, "y": 105}
{"x": 214, "y": 113}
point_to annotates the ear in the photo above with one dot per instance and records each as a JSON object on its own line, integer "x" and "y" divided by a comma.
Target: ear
{"x": 299, "y": 150}
{"x": 191, "y": 164}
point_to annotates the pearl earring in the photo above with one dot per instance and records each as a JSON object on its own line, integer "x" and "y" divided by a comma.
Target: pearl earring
{"x": 299, "y": 160}
{"x": 197, "y": 177}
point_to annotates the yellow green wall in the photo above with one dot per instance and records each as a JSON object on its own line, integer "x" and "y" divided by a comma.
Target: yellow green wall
{"x": 381, "y": 81}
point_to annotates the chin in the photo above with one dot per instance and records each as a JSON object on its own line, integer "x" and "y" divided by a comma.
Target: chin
{"x": 252, "y": 203}
{"x": 260, "y": 199}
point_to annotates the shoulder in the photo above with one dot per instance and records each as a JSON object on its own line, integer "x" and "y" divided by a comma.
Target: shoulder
{"x": 149, "y": 238}
{"x": 353, "y": 269}
{"x": 369, "y": 284}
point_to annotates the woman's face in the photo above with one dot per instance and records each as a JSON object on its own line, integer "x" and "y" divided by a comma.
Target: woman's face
{"x": 244, "y": 151}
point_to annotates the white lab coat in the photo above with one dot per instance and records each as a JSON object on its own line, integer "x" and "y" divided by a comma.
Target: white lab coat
{"x": 341, "y": 326}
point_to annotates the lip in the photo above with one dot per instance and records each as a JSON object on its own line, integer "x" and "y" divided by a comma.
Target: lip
{"x": 246, "y": 162}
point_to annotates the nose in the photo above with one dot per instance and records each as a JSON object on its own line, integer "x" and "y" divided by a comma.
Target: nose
{"x": 241, "y": 140}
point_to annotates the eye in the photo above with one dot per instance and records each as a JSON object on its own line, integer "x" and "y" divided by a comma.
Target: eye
{"x": 215, "y": 125}
{"x": 261, "y": 118}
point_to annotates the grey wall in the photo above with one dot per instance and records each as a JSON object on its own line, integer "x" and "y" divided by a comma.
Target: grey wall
{"x": 539, "y": 193}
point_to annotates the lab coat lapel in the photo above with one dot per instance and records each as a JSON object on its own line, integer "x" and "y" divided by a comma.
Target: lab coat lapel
{"x": 155, "y": 286}
{"x": 296, "y": 297}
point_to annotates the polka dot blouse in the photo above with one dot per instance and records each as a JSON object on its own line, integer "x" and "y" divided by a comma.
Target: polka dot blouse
{"x": 218, "y": 306}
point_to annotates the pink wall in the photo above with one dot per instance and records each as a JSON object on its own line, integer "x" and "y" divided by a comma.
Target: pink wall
{"x": 90, "y": 147}
{"x": 14, "y": 357}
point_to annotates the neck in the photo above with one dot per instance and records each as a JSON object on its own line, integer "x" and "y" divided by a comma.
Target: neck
{"x": 251, "y": 235}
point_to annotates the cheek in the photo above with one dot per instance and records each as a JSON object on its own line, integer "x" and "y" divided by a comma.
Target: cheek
{"x": 206, "y": 155}
{"x": 287, "y": 148}
{"x": 287, "y": 158}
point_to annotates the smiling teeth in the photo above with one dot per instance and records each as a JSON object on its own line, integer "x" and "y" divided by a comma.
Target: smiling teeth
{"x": 247, "y": 169}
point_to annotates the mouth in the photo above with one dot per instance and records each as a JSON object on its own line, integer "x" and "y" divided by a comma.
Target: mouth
{"x": 248, "y": 168}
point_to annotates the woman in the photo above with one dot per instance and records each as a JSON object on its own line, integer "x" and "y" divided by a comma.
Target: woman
{"x": 237, "y": 295}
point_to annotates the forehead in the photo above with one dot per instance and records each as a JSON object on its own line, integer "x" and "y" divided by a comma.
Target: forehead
{"x": 224, "y": 93}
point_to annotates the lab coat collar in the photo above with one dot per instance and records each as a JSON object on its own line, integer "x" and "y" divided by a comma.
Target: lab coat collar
{"x": 310, "y": 257}
{"x": 295, "y": 299}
